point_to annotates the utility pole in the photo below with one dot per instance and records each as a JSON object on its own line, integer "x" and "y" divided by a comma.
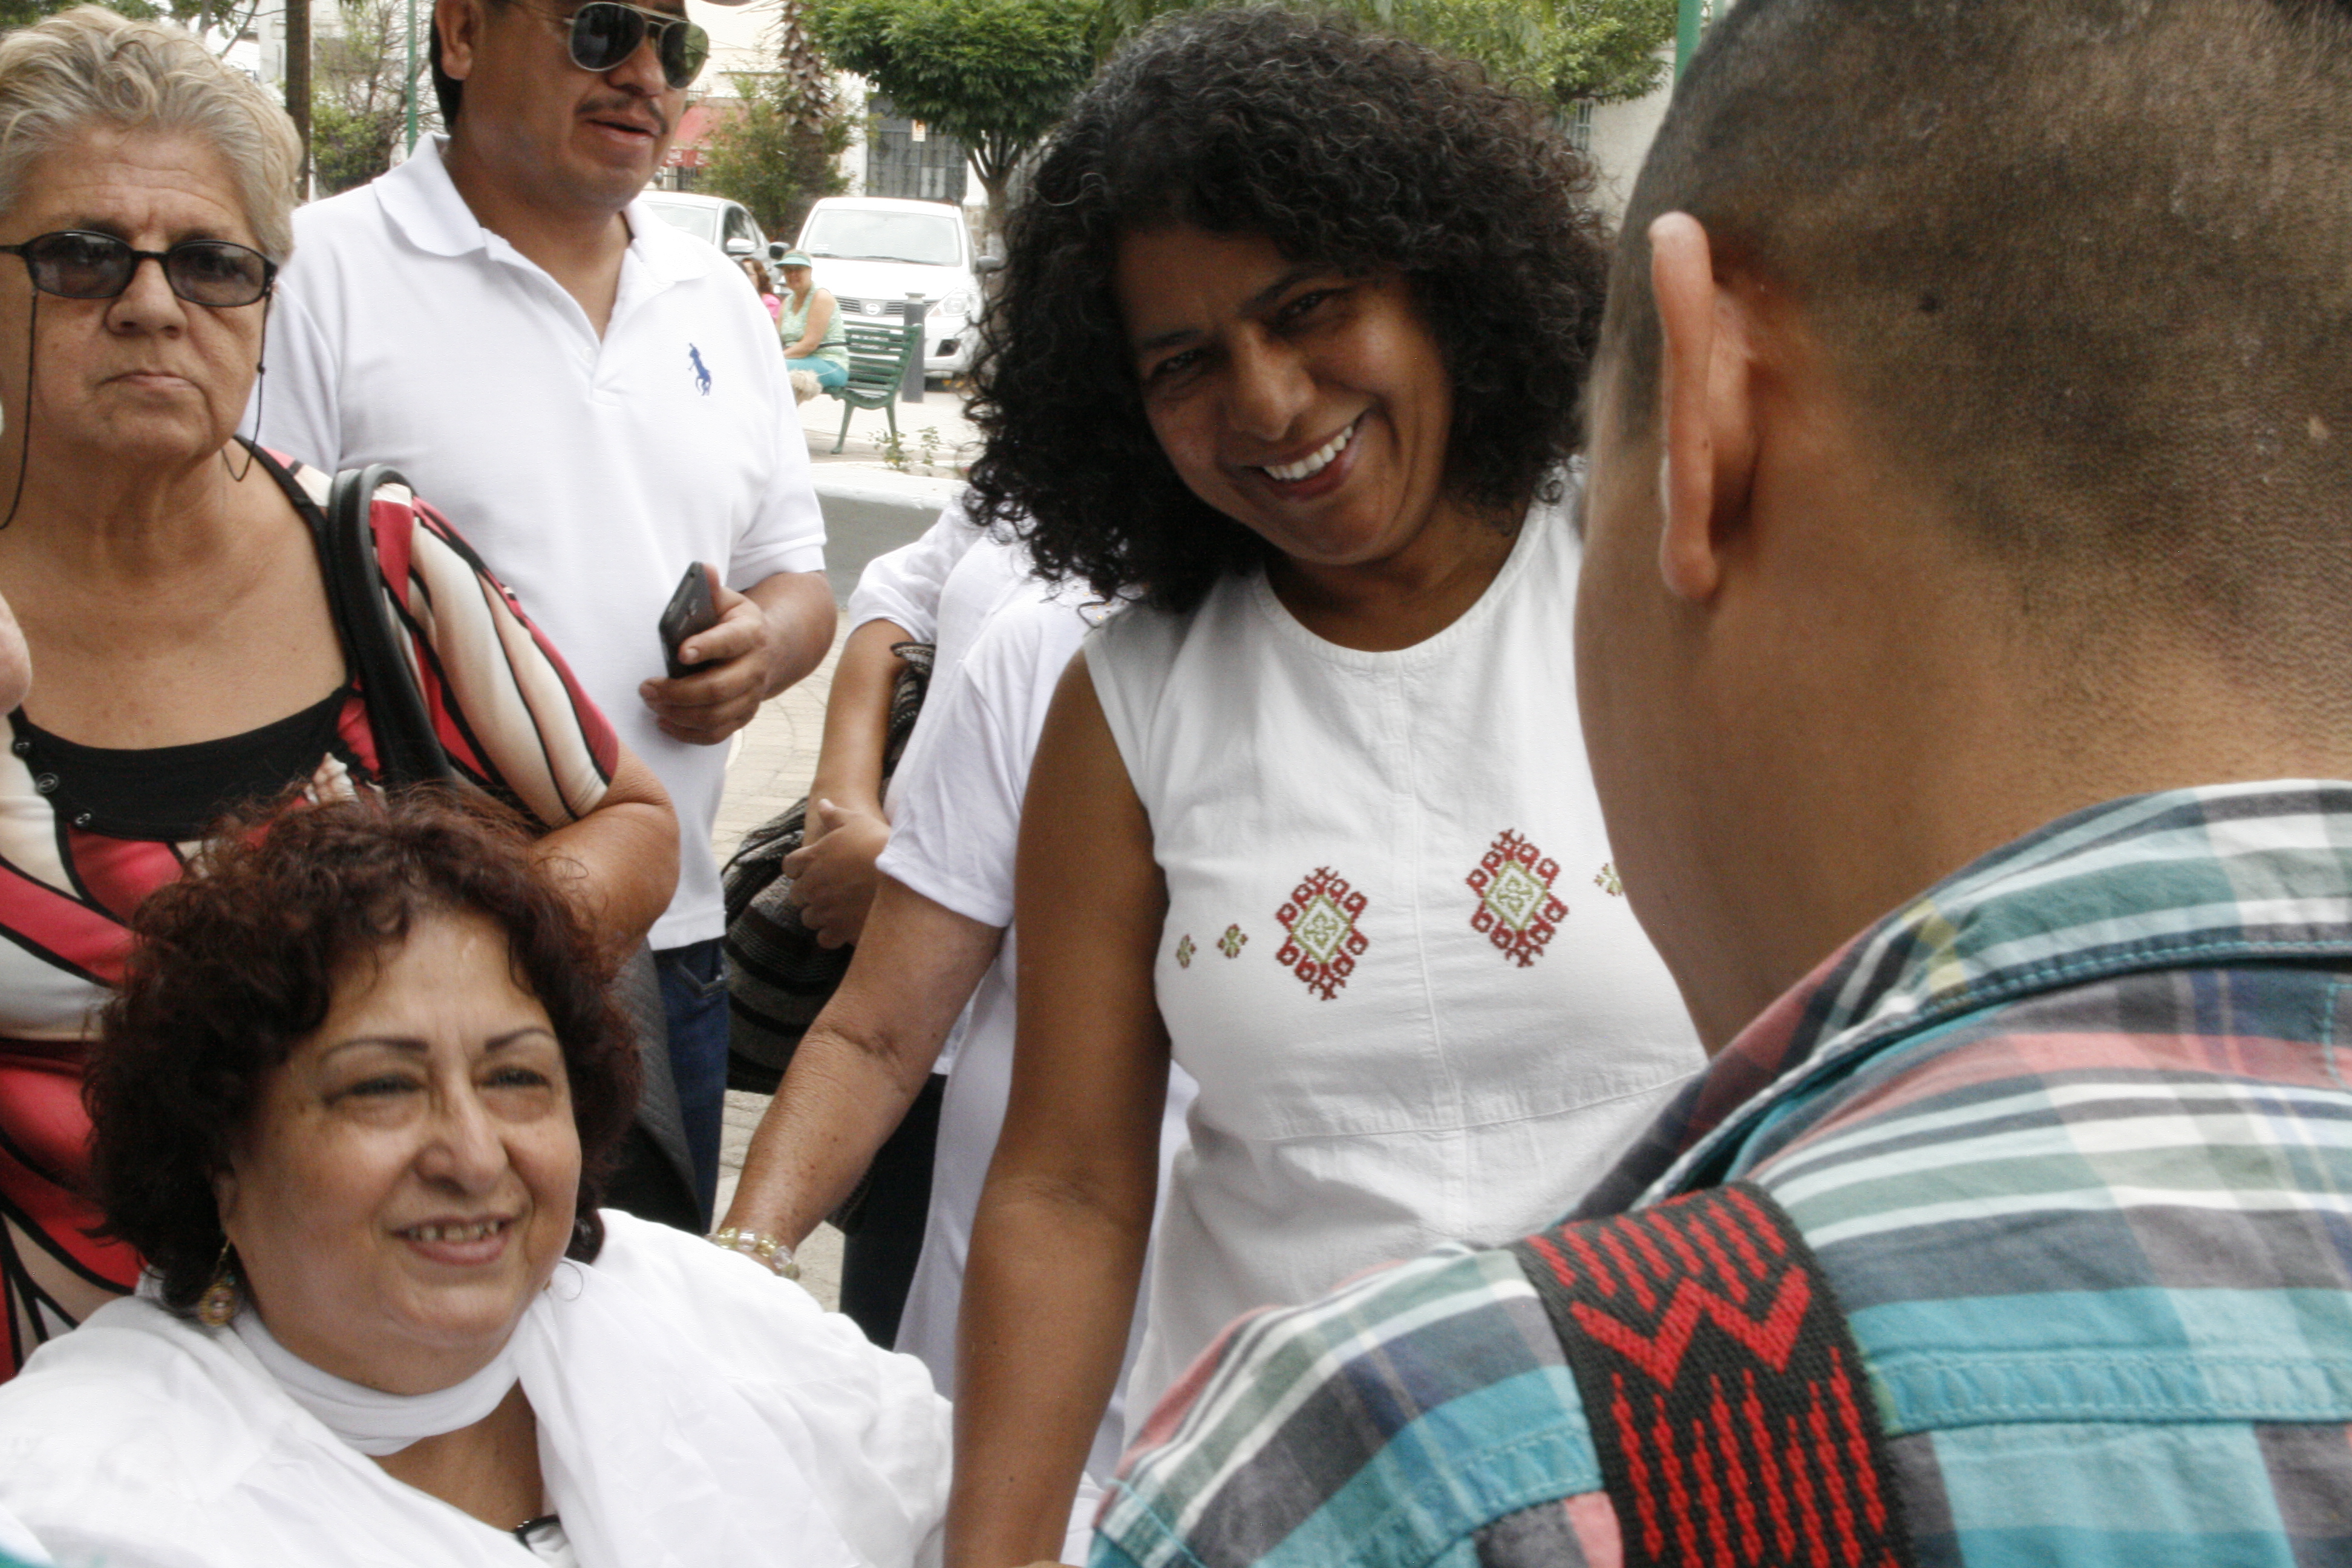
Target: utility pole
{"x": 297, "y": 82}
{"x": 408, "y": 94}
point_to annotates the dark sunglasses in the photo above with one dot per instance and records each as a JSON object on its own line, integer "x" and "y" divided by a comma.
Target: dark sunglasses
{"x": 77, "y": 264}
{"x": 603, "y": 32}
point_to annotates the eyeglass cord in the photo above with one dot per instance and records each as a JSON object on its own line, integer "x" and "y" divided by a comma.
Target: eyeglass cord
{"x": 25, "y": 441}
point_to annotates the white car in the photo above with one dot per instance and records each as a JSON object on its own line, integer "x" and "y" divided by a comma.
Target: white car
{"x": 727, "y": 224}
{"x": 873, "y": 251}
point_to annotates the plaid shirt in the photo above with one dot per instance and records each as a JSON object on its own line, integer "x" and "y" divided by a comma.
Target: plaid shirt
{"x": 2072, "y": 1138}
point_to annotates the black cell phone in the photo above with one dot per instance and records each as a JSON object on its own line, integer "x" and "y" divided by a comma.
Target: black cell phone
{"x": 689, "y": 610}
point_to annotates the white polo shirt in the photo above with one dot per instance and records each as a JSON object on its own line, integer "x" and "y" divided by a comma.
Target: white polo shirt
{"x": 587, "y": 472}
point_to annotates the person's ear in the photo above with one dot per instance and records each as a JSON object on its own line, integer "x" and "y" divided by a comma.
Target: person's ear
{"x": 459, "y": 23}
{"x": 1708, "y": 433}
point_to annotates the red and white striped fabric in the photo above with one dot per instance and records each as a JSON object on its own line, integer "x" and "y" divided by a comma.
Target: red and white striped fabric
{"x": 512, "y": 719}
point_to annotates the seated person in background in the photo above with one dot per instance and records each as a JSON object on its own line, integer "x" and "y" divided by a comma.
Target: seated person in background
{"x": 809, "y": 321}
{"x": 167, "y": 576}
{"x": 757, "y": 271}
{"x": 1966, "y": 569}
{"x": 353, "y": 1102}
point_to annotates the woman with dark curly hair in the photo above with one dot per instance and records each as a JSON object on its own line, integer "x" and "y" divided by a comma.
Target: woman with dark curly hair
{"x": 352, "y": 1103}
{"x": 1293, "y": 334}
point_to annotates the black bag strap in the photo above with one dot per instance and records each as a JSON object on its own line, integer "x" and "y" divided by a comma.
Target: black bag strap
{"x": 408, "y": 751}
{"x": 1729, "y": 1405}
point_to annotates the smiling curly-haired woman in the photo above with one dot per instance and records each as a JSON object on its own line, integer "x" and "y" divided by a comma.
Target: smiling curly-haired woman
{"x": 1363, "y": 154}
{"x": 1294, "y": 329}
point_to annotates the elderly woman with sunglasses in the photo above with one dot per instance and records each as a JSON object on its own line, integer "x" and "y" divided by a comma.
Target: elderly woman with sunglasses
{"x": 168, "y": 579}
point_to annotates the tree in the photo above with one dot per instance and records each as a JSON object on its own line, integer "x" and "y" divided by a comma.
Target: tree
{"x": 1560, "y": 51}
{"x": 202, "y": 17}
{"x": 996, "y": 75}
{"x": 357, "y": 106}
{"x": 1565, "y": 51}
{"x": 773, "y": 154}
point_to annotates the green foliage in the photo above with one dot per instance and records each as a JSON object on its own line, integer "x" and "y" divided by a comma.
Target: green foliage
{"x": 997, "y": 75}
{"x": 1562, "y": 51}
{"x": 994, "y": 74}
{"x": 198, "y": 16}
{"x": 349, "y": 147}
{"x": 357, "y": 110}
{"x": 775, "y": 155}
{"x": 1602, "y": 51}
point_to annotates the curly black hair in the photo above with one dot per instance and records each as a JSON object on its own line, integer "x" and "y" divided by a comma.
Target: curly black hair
{"x": 234, "y": 963}
{"x": 1346, "y": 150}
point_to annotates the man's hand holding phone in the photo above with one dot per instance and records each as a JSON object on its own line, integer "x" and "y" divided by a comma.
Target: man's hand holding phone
{"x": 722, "y": 653}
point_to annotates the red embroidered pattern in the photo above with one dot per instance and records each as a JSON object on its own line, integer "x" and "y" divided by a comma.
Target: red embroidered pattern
{"x": 1517, "y": 908}
{"x": 1725, "y": 1394}
{"x": 1184, "y": 951}
{"x": 1322, "y": 941}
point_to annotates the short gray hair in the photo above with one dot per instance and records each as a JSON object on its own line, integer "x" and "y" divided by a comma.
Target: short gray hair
{"x": 89, "y": 68}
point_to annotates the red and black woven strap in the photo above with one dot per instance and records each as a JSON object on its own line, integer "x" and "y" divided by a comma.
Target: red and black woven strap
{"x": 1727, "y": 1399}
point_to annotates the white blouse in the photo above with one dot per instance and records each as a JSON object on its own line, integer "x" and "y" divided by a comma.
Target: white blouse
{"x": 692, "y": 1408}
{"x": 1397, "y": 955}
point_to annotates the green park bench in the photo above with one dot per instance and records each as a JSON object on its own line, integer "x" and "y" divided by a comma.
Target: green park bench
{"x": 878, "y": 358}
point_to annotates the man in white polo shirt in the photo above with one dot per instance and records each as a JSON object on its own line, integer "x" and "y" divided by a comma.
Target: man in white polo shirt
{"x": 596, "y": 400}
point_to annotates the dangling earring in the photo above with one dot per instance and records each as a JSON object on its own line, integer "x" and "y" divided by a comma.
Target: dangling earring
{"x": 218, "y": 1304}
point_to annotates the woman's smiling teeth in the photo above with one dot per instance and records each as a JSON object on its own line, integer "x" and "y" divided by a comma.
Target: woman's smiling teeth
{"x": 1314, "y": 462}
{"x": 474, "y": 1232}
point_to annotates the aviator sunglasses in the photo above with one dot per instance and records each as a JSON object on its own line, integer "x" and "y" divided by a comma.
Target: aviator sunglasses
{"x": 603, "y": 32}
{"x": 77, "y": 264}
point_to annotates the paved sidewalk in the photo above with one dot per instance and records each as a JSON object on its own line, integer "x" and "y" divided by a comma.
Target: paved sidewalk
{"x": 954, "y": 439}
{"x": 768, "y": 768}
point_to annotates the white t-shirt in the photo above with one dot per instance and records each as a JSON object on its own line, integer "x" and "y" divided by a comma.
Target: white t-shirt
{"x": 941, "y": 588}
{"x": 692, "y": 1408}
{"x": 588, "y": 471}
{"x": 905, "y": 585}
{"x": 1396, "y": 954}
{"x": 956, "y": 823}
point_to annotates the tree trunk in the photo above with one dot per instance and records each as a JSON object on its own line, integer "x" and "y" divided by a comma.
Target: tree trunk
{"x": 994, "y": 164}
{"x": 992, "y": 240}
{"x": 298, "y": 83}
{"x": 808, "y": 97}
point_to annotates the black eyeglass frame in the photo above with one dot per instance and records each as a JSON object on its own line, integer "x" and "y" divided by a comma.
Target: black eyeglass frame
{"x": 160, "y": 258}
{"x": 655, "y": 24}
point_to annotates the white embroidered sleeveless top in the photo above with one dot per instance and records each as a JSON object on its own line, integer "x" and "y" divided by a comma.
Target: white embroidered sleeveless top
{"x": 1397, "y": 956}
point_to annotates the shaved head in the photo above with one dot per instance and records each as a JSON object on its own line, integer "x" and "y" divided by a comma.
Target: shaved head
{"x": 2085, "y": 267}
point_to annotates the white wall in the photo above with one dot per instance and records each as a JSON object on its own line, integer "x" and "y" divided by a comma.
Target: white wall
{"x": 1621, "y": 140}
{"x": 736, "y": 40}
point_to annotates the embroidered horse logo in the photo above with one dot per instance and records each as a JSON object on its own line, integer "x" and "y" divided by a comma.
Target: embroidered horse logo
{"x": 701, "y": 371}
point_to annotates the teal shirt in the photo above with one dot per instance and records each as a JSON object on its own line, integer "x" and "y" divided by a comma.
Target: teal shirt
{"x": 793, "y": 322}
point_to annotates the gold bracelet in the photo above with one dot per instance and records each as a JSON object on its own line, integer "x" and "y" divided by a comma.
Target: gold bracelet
{"x": 767, "y": 1249}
